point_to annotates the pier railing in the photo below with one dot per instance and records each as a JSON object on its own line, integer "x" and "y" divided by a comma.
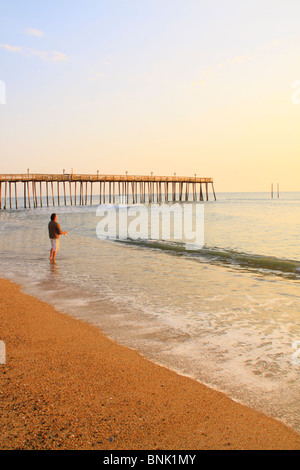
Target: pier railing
{"x": 87, "y": 177}
{"x": 112, "y": 188}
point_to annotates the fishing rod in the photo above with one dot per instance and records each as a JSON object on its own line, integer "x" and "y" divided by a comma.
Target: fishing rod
{"x": 74, "y": 228}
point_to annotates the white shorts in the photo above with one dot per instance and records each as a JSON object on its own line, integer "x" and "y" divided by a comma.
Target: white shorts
{"x": 54, "y": 244}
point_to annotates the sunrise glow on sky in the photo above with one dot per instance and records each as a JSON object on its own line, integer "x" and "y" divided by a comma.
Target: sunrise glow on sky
{"x": 163, "y": 86}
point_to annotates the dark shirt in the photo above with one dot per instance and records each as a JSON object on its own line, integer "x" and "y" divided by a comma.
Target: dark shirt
{"x": 54, "y": 229}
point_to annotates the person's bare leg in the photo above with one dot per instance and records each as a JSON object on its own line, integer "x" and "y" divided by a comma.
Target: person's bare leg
{"x": 51, "y": 254}
{"x": 54, "y": 255}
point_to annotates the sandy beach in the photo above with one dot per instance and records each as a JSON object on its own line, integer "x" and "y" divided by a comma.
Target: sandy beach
{"x": 65, "y": 385}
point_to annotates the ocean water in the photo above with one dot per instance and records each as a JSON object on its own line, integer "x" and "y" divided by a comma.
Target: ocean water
{"x": 225, "y": 311}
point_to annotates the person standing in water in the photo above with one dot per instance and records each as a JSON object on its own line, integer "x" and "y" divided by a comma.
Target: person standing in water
{"x": 54, "y": 233}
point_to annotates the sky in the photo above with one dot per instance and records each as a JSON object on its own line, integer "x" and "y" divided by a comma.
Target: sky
{"x": 163, "y": 86}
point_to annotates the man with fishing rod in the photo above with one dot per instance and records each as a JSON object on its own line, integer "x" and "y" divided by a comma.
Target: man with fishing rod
{"x": 54, "y": 233}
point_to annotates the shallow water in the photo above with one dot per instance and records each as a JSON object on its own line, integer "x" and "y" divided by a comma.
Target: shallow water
{"x": 226, "y": 314}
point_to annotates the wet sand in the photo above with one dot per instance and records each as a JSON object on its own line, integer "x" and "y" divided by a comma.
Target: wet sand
{"x": 65, "y": 385}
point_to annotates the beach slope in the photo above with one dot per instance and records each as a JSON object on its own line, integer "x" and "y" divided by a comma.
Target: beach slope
{"x": 65, "y": 385}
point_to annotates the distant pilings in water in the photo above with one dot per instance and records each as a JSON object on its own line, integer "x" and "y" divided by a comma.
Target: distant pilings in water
{"x": 77, "y": 189}
{"x": 272, "y": 191}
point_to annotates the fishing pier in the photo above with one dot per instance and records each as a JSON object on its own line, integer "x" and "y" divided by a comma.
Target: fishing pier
{"x": 79, "y": 189}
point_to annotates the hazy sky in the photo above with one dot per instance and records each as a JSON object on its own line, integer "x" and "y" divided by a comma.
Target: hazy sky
{"x": 162, "y": 86}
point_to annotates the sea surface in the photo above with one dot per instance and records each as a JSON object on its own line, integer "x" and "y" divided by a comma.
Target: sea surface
{"x": 223, "y": 309}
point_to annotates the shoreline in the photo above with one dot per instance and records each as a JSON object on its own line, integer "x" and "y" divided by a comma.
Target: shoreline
{"x": 65, "y": 385}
